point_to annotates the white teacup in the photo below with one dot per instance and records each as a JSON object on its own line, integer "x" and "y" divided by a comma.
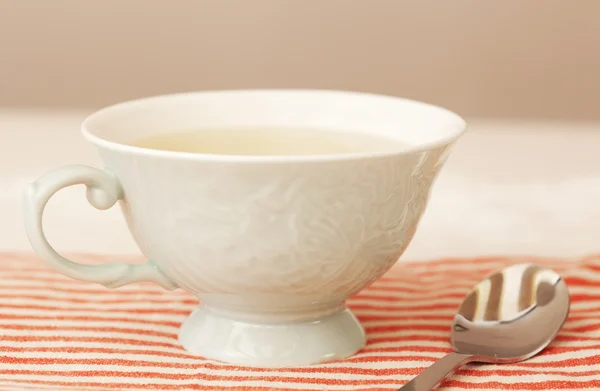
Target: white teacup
{"x": 272, "y": 245}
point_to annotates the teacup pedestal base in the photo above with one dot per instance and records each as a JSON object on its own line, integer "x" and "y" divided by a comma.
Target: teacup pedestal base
{"x": 211, "y": 335}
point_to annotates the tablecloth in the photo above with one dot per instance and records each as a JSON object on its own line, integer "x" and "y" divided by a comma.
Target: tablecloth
{"x": 61, "y": 334}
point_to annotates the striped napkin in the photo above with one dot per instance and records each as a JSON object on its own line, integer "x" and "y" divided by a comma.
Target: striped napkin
{"x": 61, "y": 334}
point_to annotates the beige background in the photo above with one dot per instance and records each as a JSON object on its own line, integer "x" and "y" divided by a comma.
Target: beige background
{"x": 509, "y": 58}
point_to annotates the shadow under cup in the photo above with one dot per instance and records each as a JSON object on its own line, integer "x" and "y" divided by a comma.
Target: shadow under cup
{"x": 272, "y": 245}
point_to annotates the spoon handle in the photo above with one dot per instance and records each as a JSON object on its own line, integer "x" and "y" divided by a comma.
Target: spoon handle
{"x": 432, "y": 376}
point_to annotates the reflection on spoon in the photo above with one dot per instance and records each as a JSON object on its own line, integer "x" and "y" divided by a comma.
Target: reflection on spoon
{"x": 508, "y": 317}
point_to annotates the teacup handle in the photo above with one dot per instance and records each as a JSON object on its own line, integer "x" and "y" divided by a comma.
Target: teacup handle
{"x": 103, "y": 191}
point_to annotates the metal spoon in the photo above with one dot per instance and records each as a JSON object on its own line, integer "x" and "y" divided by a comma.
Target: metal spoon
{"x": 509, "y": 317}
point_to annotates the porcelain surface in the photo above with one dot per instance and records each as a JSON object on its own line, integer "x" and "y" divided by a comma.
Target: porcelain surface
{"x": 272, "y": 246}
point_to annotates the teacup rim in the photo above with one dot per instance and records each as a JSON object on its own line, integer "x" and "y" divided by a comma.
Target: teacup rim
{"x": 459, "y": 130}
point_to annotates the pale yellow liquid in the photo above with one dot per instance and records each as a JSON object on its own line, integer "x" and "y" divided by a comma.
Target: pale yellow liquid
{"x": 268, "y": 142}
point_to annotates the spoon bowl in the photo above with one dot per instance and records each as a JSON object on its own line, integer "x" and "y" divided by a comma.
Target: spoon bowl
{"x": 508, "y": 317}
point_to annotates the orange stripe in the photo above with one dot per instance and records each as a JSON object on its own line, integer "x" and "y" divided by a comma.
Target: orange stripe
{"x": 130, "y": 310}
{"x": 90, "y": 319}
{"x": 579, "y": 281}
{"x": 316, "y": 369}
{"x": 123, "y": 330}
{"x": 565, "y": 349}
{"x": 433, "y": 297}
{"x": 583, "y": 329}
{"x": 207, "y": 365}
{"x": 573, "y": 318}
{"x": 37, "y": 388}
{"x": 71, "y": 349}
{"x": 570, "y": 362}
{"x": 585, "y": 310}
{"x": 296, "y": 380}
{"x": 146, "y": 375}
{"x": 563, "y": 337}
{"x": 406, "y": 349}
{"x": 398, "y": 327}
{"x": 431, "y": 349}
{"x": 155, "y": 291}
{"x": 592, "y": 267}
{"x": 371, "y": 341}
{"x": 186, "y": 301}
{"x": 184, "y": 355}
{"x": 425, "y": 287}
{"x": 137, "y": 342}
{"x": 55, "y": 277}
{"x": 415, "y": 308}
{"x": 387, "y": 317}
{"x": 119, "y": 386}
{"x": 415, "y": 348}
{"x": 578, "y": 297}
{"x": 541, "y": 385}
